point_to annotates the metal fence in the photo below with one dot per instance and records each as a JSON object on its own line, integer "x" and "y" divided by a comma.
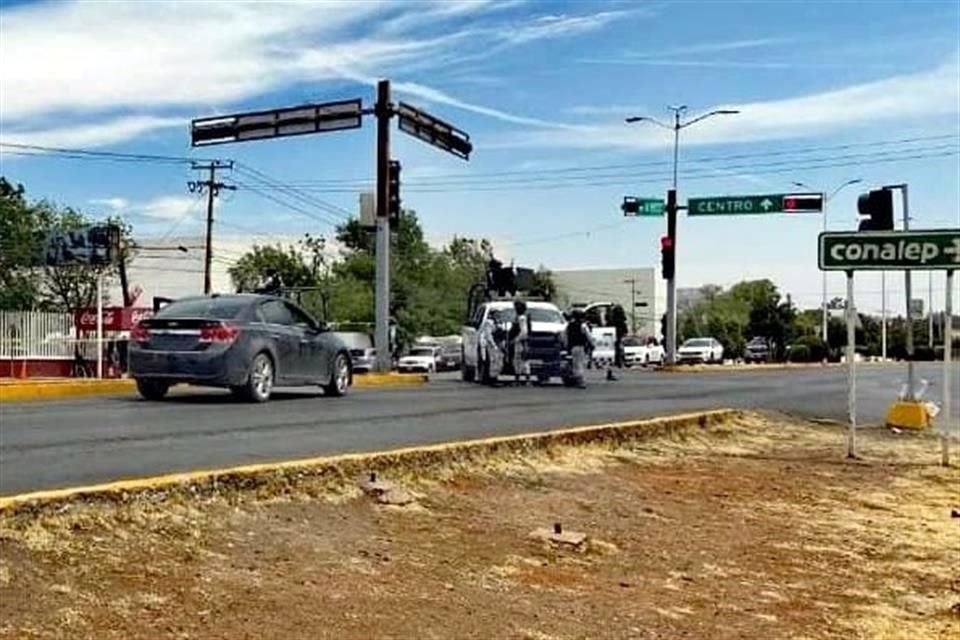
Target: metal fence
{"x": 36, "y": 335}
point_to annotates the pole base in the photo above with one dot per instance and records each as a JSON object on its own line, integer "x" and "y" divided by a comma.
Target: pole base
{"x": 906, "y": 414}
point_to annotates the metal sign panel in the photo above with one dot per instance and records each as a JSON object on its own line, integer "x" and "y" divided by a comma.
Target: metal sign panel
{"x": 277, "y": 123}
{"x": 434, "y": 131}
{"x": 642, "y": 207}
{"x": 937, "y": 249}
{"x": 95, "y": 245}
{"x": 756, "y": 205}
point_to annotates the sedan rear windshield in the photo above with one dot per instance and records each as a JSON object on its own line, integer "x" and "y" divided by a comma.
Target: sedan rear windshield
{"x": 215, "y": 308}
{"x": 632, "y": 342}
{"x": 421, "y": 352}
{"x": 697, "y": 343}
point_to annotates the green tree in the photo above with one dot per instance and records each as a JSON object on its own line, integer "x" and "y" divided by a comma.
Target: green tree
{"x": 25, "y": 282}
{"x": 257, "y": 267}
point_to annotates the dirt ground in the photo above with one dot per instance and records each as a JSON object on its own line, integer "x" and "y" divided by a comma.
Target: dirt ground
{"x": 757, "y": 530}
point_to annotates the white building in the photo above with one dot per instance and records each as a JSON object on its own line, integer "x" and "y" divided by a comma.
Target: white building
{"x": 634, "y": 289}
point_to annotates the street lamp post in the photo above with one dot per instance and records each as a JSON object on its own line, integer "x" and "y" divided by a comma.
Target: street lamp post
{"x": 676, "y": 127}
{"x": 826, "y": 202}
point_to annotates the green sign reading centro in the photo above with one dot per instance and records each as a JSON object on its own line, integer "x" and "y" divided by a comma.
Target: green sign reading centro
{"x": 750, "y": 205}
{"x": 893, "y": 250}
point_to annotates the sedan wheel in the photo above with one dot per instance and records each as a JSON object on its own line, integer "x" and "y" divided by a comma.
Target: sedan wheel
{"x": 260, "y": 384}
{"x": 340, "y": 379}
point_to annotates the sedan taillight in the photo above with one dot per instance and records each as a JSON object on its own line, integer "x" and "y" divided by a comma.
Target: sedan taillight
{"x": 219, "y": 333}
{"x": 140, "y": 333}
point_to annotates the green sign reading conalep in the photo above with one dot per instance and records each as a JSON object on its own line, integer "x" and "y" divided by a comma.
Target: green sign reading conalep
{"x": 893, "y": 250}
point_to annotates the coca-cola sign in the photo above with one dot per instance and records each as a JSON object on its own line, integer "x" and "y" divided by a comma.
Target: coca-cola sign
{"x": 114, "y": 318}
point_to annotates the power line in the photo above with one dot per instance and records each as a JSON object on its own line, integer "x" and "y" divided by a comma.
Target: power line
{"x": 457, "y": 177}
{"x": 39, "y": 150}
{"x": 288, "y": 205}
{"x": 628, "y": 181}
{"x": 269, "y": 182}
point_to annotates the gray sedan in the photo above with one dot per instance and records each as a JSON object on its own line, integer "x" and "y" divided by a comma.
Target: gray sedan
{"x": 246, "y": 343}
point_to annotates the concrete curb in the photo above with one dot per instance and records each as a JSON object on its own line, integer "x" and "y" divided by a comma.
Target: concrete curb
{"x": 283, "y": 476}
{"x": 30, "y": 390}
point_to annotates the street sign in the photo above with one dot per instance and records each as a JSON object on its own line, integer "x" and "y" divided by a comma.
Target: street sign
{"x": 756, "y": 205}
{"x": 643, "y": 207}
{"x": 433, "y": 131}
{"x": 936, "y": 249}
{"x": 96, "y": 245}
{"x": 277, "y": 123}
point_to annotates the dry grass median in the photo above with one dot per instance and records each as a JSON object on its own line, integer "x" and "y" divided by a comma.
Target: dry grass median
{"x": 754, "y": 529}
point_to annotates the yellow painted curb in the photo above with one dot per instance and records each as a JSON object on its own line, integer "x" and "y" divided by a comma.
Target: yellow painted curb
{"x": 54, "y": 389}
{"x": 25, "y": 391}
{"x": 248, "y": 477}
{"x": 380, "y": 380}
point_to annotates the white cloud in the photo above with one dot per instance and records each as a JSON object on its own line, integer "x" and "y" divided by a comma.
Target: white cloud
{"x": 114, "y": 204}
{"x": 435, "y": 95}
{"x": 95, "y": 73}
{"x": 107, "y": 55}
{"x": 898, "y": 99}
{"x": 168, "y": 207}
{"x": 559, "y": 25}
{"x": 91, "y": 134}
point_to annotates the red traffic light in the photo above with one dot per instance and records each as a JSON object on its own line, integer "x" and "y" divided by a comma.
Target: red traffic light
{"x": 803, "y": 203}
{"x": 666, "y": 243}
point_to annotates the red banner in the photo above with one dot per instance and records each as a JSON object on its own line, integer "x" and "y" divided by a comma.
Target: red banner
{"x": 114, "y": 318}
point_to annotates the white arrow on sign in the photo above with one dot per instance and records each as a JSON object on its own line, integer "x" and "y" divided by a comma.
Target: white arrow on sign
{"x": 765, "y": 204}
{"x": 954, "y": 250}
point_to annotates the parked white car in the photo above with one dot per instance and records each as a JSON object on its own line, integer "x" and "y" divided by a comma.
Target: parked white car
{"x": 420, "y": 360}
{"x": 706, "y": 350}
{"x": 640, "y": 352}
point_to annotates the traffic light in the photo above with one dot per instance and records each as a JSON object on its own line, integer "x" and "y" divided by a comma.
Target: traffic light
{"x": 668, "y": 257}
{"x": 878, "y": 205}
{"x": 393, "y": 190}
{"x": 803, "y": 203}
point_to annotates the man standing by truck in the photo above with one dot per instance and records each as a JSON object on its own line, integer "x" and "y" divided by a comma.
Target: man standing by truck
{"x": 580, "y": 343}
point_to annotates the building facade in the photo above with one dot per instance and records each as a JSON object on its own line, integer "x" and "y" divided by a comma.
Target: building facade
{"x": 632, "y": 288}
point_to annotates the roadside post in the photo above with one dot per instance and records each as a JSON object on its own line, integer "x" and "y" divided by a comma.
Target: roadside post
{"x": 99, "y": 324}
{"x": 947, "y": 427}
{"x": 851, "y": 369}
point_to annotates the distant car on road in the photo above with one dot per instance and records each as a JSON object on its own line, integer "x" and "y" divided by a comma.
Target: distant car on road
{"x": 362, "y": 354}
{"x": 705, "y": 350}
{"x": 420, "y": 360}
{"x": 639, "y": 351}
{"x": 758, "y": 350}
{"x": 244, "y": 342}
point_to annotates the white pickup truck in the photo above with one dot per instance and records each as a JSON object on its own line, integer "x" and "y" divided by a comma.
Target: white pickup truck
{"x": 545, "y": 342}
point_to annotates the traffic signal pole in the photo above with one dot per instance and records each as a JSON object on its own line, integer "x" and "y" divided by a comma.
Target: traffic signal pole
{"x": 908, "y": 285}
{"x": 383, "y": 112}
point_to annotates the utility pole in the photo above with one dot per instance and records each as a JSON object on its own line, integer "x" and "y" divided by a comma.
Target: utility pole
{"x": 930, "y": 311}
{"x": 383, "y": 111}
{"x": 826, "y": 201}
{"x": 678, "y": 124}
{"x": 212, "y": 188}
{"x": 633, "y": 304}
{"x": 883, "y": 315}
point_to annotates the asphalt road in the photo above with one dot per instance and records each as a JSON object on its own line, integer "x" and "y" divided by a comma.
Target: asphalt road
{"x": 93, "y": 440}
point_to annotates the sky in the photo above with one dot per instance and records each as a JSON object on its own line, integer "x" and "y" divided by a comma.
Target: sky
{"x": 828, "y": 92}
